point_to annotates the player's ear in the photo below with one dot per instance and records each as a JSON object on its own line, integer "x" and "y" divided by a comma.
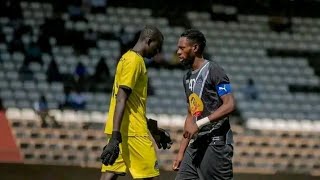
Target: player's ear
{"x": 149, "y": 40}
{"x": 195, "y": 48}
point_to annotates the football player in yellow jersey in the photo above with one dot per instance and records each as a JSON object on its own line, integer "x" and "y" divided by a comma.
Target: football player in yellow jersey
{"x": 129, "y": 146}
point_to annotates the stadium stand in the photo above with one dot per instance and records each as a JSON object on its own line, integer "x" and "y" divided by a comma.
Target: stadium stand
{"x": 277, "y": 132}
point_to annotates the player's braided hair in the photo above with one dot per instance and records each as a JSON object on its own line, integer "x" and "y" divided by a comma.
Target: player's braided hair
{"x": 195, "y": 36}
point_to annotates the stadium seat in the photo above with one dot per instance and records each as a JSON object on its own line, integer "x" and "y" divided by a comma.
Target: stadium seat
{"x": 28, "y": 114}
{"x": 13, "y": 113}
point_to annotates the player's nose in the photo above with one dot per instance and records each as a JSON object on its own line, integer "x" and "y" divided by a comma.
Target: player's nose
{"x": 178, "y": 52}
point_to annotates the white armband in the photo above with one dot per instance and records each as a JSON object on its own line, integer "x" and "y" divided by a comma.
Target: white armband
{"x": 202, "y": 122}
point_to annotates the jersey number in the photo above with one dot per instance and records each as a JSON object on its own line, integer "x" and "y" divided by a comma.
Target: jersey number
{"x": 191, "y": 84}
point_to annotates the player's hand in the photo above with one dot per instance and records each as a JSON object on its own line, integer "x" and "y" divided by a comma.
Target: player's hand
{"x": 163, "y": 139}
{"x": 177, "y": 162}
{"x": 111, "y": 151}
{"x": 190, "y": 128}
{"x": 160, "y": 136}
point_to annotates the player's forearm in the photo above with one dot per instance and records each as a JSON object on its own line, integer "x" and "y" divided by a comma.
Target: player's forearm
{"x": 183, "y": 145}
{"x": 225, "y": 109}
{"x": 185, "y": 141}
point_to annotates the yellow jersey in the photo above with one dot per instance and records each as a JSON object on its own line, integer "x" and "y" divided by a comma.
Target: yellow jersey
{"x": 131, "y": 72}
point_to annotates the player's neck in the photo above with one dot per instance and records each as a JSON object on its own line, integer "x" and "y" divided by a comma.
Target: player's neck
{"x": 198, "y": 63}
{"x": 138, "y": 49}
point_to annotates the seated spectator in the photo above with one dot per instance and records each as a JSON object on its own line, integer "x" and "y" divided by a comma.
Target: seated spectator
{"x": 16, "y": 44}
{"x": 250, "y": 91}
{"x": 44, "y": 43}
{"x": 12, "y": 9}
{"x": 54, "y": 27}
{"x": 1, "y": 60}
{"x": 90, "y": 38}
{"x": 124, "y": 40}
{"x": 42, "y": 109}
{"x": 25, "y": 72}
{"x": 2, "y": 35}
{"x": 102, "y": 72}
{"x": 97, "y": 6}
{"x": 76, "y": 100}
{"x": 53, "y": 73}
{"x": 80, "y": 70}
{"x": 33, "y": 54}
{"x": 151, "y": 90}
{"x": 81, "y": 76}
{"x": 75, "y": 11}
{"x": 101, "y": 79}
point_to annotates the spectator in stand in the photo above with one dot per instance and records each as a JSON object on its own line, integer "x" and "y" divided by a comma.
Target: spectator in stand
{"x": 80, "y": 70}
{"x": 97, "y": 6}
{"x": 81, "y": 76}
{"x": 101, "y": 79}
{"x": 151, "y": 90}
{"x": 250, "y": 91}
{"x": 54, "y": 27}
{"x": 44, "y": 43}
{"x": 90, "y": 38}
{"x": 25, "y": 72}
{"x": 42, "y": 109}
{"x": 1, "y": 61}
{"x": 102, "y": 72}
{"x": 2, "y": 35}
{"x": 33, "y": 54}
{"x": 76, "y": 100}
{"x": 12, "y": 9}
{"x": 16, "y": 43}
{"x": 75, "y": 11}
{"x": 53, "y": 73}
{"x": 124, "y": 40}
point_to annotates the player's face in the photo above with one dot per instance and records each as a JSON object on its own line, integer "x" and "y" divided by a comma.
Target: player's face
{"x": 154, "y": 47}
{"x": 186, "y": 52}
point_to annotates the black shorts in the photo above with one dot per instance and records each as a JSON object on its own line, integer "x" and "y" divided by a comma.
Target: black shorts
{"x": 206, "y": 161}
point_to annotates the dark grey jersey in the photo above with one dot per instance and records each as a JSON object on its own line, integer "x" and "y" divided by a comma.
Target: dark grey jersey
{"x": 207, "y": 83}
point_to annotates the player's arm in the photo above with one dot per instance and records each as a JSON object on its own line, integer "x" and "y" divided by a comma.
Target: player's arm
{"x": 183, "y": 146}
{"x": 223, "y": 89}
{"x": 111, "y": 150}
{"x": 228, "y": 106}
{"x": 127, "y": 81}
{"x": 121, "y": 100}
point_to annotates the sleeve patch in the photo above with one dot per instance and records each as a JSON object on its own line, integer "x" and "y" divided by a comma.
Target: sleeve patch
{"x": 223, "y": 89}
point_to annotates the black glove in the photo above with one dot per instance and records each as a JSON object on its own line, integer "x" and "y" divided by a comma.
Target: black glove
{"x": 160, "y": 136}
{"x": 111, "y": 151}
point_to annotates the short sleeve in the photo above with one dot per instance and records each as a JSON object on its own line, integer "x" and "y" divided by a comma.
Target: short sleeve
{"x": 218, "y": 75}
{"x": 130, "y": 72}
{"x": 220, "y": 79}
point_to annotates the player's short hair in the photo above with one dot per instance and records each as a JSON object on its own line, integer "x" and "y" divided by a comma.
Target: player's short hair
{"x": 151, "y": 32}
{"x": 195, "y": 36}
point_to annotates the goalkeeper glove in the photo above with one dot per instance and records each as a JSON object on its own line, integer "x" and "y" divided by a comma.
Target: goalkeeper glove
{"x": 160, "y": 136}
{"x": 111, "y": 151}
